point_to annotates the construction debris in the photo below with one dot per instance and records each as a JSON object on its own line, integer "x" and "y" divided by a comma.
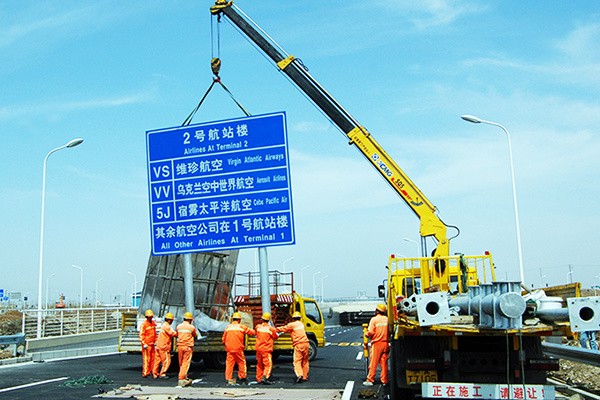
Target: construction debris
{"x": 165, "y": 393}
{"x": 580, "y": 375}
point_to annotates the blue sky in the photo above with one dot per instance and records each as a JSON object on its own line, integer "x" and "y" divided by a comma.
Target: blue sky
{"x": 107, "y": 71}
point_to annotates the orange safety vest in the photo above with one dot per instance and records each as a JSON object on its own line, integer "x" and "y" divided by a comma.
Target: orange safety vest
{"x": 233, "y": 337}
{"x": 165, "y": 336}
{"x": 148, "y": 333}
{"x": 186, "y": 333}
{"x": 378, "y": 329}
{"x": 265, "y": 335}
{"x": 296, "y": 331}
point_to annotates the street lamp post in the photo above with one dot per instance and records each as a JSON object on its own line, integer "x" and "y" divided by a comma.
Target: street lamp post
{"x": 302, "y": 279}
{"x": 322, "y": 279}
{"x": 72, "y": 143}
{"x": 97, "y": 291}
{"x": 47, "y": 279}
{"x": 81, "y": 289}
{"x": 416, "y": 243}
{"x": 289, "y": 259}
{"x": 476, "y": 120}
{"x": 314, "y": 284}
{"x": 134, "y": 288}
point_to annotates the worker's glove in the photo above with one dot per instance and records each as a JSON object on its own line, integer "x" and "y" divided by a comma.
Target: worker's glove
{"x": 145, "y": 346}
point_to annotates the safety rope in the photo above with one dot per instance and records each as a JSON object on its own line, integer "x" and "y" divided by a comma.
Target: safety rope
{"x": 87, "y": 380}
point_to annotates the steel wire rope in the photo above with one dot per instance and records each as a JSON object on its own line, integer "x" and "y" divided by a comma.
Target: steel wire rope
{"x": 212, "y": 40}
{"x": 216, "y": 79}
{"x": 507, "y": 361}
{"x": 522, "y": 362}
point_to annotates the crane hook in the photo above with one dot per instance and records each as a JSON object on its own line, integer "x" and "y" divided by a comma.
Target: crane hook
{"x": 215, "y": 65}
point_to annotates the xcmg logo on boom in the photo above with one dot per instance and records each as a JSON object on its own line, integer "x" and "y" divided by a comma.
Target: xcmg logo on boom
{"x": 375, "y": 157}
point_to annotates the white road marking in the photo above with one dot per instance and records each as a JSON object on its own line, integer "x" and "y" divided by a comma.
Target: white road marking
{"x": 348, "y": 390}
{"x": 359, "y": 356}
{"x": 32, "y": 384}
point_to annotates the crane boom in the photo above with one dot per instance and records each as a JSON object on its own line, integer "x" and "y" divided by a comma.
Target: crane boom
{"x": 430, "y": 224}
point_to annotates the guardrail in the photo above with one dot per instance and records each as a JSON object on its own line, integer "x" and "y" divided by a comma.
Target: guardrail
{"x": 14, "y": 340}
{"x": 72, "y": 321}
{"x": 586, "y": 356}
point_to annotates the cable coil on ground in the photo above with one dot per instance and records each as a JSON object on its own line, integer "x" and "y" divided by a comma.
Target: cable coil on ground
{"x": 87, "y": 380}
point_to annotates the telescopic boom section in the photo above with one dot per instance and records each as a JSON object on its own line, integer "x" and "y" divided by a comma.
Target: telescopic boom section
{"x": 431, "y": 225}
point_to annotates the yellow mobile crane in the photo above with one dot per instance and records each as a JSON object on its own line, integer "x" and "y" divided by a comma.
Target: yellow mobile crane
{"x": 451, "y": 335}
{"x": 431, "y": 225}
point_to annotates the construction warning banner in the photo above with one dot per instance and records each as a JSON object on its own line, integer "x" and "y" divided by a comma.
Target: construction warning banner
{"x": 486, "y": 391}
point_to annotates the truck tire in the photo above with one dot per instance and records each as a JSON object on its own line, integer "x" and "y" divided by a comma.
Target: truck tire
{"x": 394, "y": 390}
{"x": 215, "y": 360}
{"x": 312, "y": 350}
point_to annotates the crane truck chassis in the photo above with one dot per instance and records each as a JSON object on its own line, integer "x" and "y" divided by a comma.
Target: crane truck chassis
{"x": 455, "y": 332}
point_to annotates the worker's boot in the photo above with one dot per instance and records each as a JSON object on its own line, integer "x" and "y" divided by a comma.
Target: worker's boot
{"x": 187, "y": 382}
{"x": 232, "y": 382}
{"x": 266, "y": 381}
{"x": 181, "y": 382}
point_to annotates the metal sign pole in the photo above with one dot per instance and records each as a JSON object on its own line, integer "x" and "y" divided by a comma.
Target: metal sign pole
{"x": 188, "y": 282}
{"x": 263, "y": 265}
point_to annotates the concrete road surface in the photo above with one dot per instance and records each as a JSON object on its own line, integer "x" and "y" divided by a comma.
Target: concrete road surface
{"x": 338, "y": 371}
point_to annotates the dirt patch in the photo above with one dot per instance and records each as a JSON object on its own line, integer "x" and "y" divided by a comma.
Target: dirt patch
{"x": 10, "y": 322}
{"x": 5, "y": 354}
{"x": 577, "y": 374}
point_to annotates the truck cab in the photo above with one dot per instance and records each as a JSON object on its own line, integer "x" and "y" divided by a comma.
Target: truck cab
{"x": 284, "y": 302}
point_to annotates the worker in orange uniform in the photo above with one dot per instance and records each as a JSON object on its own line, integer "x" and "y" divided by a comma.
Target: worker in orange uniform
{"x": 163, "y": 347}
{"x": 186, "y": 333}
{"x": 380, "y": 348}
{"x": 265, "y": 335}
{"x": 148, "y": 339}
{"x": 301, "y": 346}
{"x": 233, "y": 339}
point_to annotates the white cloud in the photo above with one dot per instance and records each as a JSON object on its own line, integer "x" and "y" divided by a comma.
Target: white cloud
{"x": 431, "y": 13}
{"x": 581, "y": 43}
{"x": 43, "y": 22}
{"x": 577, "y": 60}
{"x": 53, "y": 108}
{"x": 329, "y": 184}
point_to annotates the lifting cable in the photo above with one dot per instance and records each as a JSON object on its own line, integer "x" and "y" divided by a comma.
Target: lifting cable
{"x": 215, "y": 65}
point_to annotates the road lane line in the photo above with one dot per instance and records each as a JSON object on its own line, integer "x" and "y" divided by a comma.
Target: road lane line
{"x": 359, "y": 356}
{"x": 32, "y": 384}
{"x": 348, "y": 390}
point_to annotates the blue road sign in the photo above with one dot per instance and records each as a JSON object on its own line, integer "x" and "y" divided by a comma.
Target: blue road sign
{"x": 1, "y": 292}
{"x": 220, "y": 185}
